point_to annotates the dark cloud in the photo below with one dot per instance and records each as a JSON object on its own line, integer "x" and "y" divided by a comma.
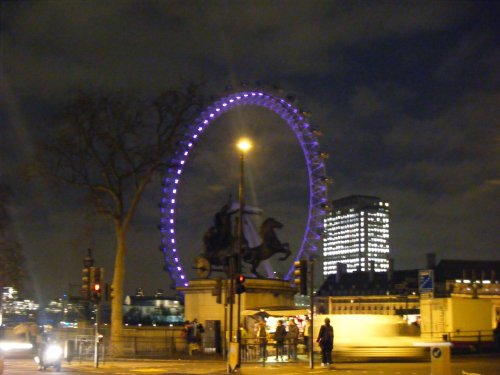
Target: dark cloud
{"x": 405, "y": 93}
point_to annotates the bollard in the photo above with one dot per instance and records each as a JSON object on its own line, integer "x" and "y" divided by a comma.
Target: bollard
{"x": 440, "y": 360}
{"x": 440, "y": 357}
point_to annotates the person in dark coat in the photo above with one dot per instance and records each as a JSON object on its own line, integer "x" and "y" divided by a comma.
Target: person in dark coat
{"x": 496, "y": 337}
{"x": 279, "y": 337}
{"x": 293, "y": 339}
{"x": 325, "y": 340}
{"x": 261, "y": 334}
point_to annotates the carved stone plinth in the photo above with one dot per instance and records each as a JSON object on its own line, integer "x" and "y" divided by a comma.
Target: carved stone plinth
{"x": 201, "y": 298}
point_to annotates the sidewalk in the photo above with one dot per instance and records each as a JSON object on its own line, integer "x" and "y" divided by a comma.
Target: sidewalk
{"x": 476, "y": 364}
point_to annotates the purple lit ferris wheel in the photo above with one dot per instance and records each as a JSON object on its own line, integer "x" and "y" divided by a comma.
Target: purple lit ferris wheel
{"x": 306, "y": 135}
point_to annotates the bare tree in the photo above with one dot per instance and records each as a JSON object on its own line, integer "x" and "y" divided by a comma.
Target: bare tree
{"x": 110, "y": 145}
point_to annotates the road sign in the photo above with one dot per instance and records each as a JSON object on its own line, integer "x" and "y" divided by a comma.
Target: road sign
{"x": 425, "y": 281}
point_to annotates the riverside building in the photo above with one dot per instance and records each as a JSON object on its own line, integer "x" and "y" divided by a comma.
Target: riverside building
{"x": 357, "y": 235}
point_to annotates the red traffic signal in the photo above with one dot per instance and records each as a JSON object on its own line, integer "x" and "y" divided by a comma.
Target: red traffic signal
{"x": 96, "y": 279}
{"x": 240, "y": 287}
{"x": 96, "y": 292}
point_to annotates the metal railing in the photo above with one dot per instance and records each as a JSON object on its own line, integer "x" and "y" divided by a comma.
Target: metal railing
{"x": 473, "y": 340}
{"x": 251, "y": 350}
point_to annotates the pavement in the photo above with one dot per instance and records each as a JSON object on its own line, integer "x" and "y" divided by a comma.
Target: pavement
{"x": 474, "y": 365}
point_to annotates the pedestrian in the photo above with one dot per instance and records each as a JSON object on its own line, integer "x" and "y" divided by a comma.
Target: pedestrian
{"x": 279, "y": 337}
{"x": 243, "y": 342}
{"x": 496, "y": 337}
{"x": 293, "y": 338}
{"x": 193, "y": 331}
{"x": 186, "y": 333}
{"x": 307, "y": 333}
{"x": 325, "y": 340}
{"x": 196, "y": 332}
{"x": 262, "y": 338}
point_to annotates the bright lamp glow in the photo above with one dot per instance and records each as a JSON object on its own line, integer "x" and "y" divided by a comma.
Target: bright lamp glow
{"x": 53, "y": 353}
{"x": 244, "y": 144}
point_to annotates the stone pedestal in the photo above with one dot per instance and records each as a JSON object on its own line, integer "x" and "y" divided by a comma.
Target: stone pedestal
{"x": 201, "y": 298}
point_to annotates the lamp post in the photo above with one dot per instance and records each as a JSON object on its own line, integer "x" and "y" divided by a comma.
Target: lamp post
{"x": 243, "y": 145}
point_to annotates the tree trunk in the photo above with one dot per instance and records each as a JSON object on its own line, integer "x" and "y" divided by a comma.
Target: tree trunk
{"x": 117, "y": 340}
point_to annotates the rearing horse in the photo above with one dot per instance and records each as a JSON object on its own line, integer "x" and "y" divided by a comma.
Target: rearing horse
{"x": 270, "y": 245}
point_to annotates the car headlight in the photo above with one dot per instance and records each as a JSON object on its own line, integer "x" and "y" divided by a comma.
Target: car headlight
{"x": 53, "y": 352}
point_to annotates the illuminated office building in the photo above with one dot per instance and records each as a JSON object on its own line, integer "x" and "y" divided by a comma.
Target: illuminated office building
{"x": 357, "y": 235}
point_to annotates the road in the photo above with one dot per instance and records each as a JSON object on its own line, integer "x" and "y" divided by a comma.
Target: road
{"x": 478, "y": 365}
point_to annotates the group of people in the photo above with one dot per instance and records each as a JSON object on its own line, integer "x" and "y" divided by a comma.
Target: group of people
{"x": 290, "y": 335}
{"x": 193, "y": 333}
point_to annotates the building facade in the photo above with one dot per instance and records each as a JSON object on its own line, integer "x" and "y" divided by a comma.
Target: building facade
{"x": 357, "y": 235}
{"x": 464, "y": 305}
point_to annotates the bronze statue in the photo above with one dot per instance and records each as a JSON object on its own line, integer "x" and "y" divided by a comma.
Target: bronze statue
{"x": 220, "y": 242}
{"x": 219, "y": 237}
{"x": 271, "y": 245}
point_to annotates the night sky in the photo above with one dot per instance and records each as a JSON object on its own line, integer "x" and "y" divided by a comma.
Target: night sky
{"x": 405, "y": 93}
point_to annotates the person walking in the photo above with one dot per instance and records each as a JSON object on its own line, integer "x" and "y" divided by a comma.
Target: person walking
{"x": 307, "y": 333}
{"x": 198, "y": 331}
{"x": 496, "y": 337}
{"x": 293, "y": 338}
{"x": 262, "y": 337}
{"x": 193, "y": 332}
{"x": 279, "y": 337}
{"x": 325, "y": 340}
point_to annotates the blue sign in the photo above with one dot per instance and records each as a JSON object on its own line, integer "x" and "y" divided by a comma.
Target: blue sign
{"x": 425, "y": 281}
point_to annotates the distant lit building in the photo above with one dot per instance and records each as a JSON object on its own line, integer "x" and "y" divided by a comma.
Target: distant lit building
{"x": 369, "y": 292}
{"x": 14, "y": 310}
{"x": 357, "y": 235}
{"x": 154, "y": 310}
{"x": 396, "y": 292}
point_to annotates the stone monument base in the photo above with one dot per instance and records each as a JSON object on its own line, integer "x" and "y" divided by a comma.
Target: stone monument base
{"x": 207, "y": 300}
{"x": 201, "y": 297}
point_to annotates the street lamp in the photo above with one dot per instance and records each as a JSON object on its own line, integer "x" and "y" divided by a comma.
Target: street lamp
{"x": 243, "y": 145}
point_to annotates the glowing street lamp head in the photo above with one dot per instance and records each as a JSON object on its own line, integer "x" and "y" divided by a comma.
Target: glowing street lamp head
{"x": 244, "y": 144}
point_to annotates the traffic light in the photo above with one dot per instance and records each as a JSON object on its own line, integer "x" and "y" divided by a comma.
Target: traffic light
{"x": 96, "y": 283}
{"x": 217, "y": 292}
{"x": 300, "y": 275}
{"x": 108, "y": 292}
{"x": 85, "y": 288}
{"x": 96, "y": 292}
{"x": 240, "y": 284}
{"x": 88, "y": 262}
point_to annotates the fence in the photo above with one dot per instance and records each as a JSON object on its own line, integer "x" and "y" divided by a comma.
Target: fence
{"x": 251, "y": 350}
{"x": 140, "y": 342}
{"x": 169, "y": 343}
{"x": 476, "y": 341}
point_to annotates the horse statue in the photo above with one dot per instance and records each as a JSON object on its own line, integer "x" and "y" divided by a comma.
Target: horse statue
{"x": 270, "y": 245}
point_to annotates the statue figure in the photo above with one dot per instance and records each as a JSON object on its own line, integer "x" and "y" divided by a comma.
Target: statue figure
{"x": 219, "y": 236}
{"x": 219, "y": 241}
